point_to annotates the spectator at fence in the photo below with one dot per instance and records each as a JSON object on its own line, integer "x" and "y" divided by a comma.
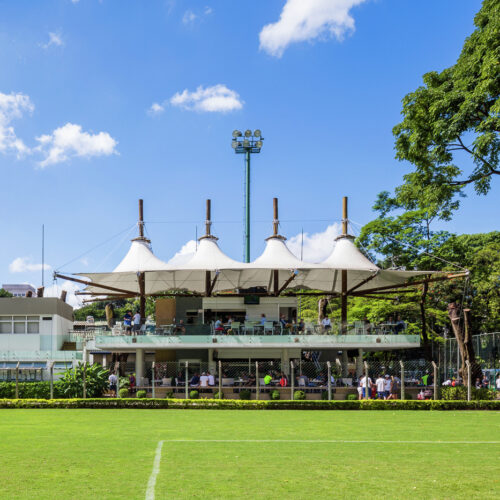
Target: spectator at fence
{"x": 268, "y": 379}
{"x": 486, "y": 381}
{"x": 283, "y": 380}
{"x": 303, "y": 381}
{"x": 113, "y": 380}
{"x": 195, "y": 380}
{"x": 204, "y": 380}
{"x": 131, "y": 382}
{"x": 360, "y": 390}
{"x": 387, "y": 386}
{"x": 425, "y": 379}
{"x": 127, "y": 321}
{"x": 366, "y": 383}
{"x": 497, "y": 383}
{"x": 395, "y": 386}
{"x": 380, "y": 383}
{"x": 251, "y": 381}
{"x": 211, "y": 379}
{"x": 478, "y": 383}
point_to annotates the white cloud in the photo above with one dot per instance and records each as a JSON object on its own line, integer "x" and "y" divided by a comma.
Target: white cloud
{"x": 55, "y": 290}
{"x": 189, "y": 17}
{"x": 217, "y": 98}
{"x": 184, "y": 254}
{"x": 26, "y": 265}
{"x": 156, "y": 109}
{"x": 54, "y": 39}
{"x": 69, "y": 141}
{"x": 317, "y": 246}
{"x": 13, "y": 106}
{"x": 208, "y": 10}
{"x": 303, "y": 20}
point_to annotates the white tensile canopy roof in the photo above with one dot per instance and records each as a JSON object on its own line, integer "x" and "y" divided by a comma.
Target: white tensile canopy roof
{"x": 224, "y": 273}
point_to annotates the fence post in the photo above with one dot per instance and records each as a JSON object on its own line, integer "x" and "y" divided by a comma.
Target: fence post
{"x": 186, "y": 384}
{"x": 292, "y": 379}
{"x": 51, "y": 373}
{"x": 84, "y": 380}
{"x": 220, "y": 379}
{"x": 367, "y": 389}
{"x": 402, "y": 379}
{"x": 435, "y": 368}
{"x": 469, "y": 384}
{"x": 257, "y": 380}
{"x": 153, "y": 379}
{"x": 117, "y": 373}
{"x": 329, "y": 374}
{"x": 17, "y": 380}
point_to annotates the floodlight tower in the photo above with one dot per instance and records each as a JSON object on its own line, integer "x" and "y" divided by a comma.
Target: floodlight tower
{"x": 247, "y": 143}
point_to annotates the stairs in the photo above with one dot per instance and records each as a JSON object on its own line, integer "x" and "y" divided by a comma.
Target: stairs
{"x": 68, "y": 346}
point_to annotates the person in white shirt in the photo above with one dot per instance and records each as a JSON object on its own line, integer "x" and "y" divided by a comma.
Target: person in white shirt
{"x": 326, "y": 323}
{"x": 211, "y": 380}
{"x": 137, "y": 322}
{"x": 380, "y": 383}
{"x": 498, "y": 382}
{"x": 387, "y": 386}
{"x": 203, "y": 380}
{"x": 363, "y": 385}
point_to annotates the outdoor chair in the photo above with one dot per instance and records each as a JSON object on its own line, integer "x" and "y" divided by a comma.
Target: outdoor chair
{"x": 235, "y": 326}
{"x": 166, "y": 381}
{"x": 268, "y": 327}
{"x": 249, "y": 327}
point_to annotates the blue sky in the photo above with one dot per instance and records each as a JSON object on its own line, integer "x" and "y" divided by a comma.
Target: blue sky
{"x": 82, "y": 142}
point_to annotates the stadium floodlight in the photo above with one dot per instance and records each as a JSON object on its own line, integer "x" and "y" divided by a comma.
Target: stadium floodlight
{"x": 251, "y": 143}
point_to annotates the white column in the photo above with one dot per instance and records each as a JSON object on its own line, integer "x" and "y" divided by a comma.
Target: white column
{"x": 285, "y": 361}
{"x": 359, "y": 363}
{"x": 212, "y": 366}
{"x": 139, "y": 366}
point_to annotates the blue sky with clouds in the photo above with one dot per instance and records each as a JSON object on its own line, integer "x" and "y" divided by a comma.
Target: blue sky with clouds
{"x": 103, "y": 102}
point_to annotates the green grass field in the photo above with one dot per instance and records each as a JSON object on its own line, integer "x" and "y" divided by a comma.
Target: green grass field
{"x": 110, "y": 454}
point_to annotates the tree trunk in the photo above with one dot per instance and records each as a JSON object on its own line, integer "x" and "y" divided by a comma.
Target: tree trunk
{"x": 464, "y": 341}
{"x": 322, "y": 305}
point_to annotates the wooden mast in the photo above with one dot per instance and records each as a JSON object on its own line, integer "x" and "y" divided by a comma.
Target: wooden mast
{"x": 343, "y": 297}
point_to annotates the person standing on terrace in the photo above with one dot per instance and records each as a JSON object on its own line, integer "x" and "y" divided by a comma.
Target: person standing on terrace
{"x": 127, "y": 321}
{"x": 263, "y": 319}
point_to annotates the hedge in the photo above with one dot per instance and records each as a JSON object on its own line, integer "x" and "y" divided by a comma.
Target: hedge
{"x": 234, "y": 404}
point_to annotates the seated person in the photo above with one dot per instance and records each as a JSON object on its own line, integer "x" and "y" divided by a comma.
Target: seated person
{"x": 283, "y": 380}
{"x": 195, "y": 381}
{"x": 301, "y": 327}
{"x": 263, "y": 319}
{"x": 303, "y": 380}
{"x": 180, "y": 327}
{"x": 251, "y": 381}
{"x": 326, "y": 324}
{"x": 268, "y": 379}
{"x": 211, "y": 379}
{"x": 283, "y": 321}
{"x": 219, "y": 327}
{"x": 179, "y": 380}
{"x": 204, "y": 380}
{"x": 400, "y": 325}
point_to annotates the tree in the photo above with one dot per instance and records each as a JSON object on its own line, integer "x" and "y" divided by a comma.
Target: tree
{"x": 456, "y": 111}
{"x": 5, "y": 293}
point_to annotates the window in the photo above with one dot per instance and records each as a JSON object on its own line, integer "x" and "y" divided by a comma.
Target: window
{"x": 19, "y": 324}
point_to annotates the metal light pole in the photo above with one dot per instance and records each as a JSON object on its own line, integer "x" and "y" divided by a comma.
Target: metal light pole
{"x": 247, "y": 144}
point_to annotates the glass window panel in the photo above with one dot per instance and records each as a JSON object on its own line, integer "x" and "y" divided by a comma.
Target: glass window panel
{"x": 19, "y": 327}
{"x": 6, "y": 327}
{"x": 33, "y": 318}
{"x": 22, "y": 318}
{"x": 5, "y": 318}
{"x": 33, "y": 327}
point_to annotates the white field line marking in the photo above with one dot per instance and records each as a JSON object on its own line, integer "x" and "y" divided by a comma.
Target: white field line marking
{"x": 150, "y": 491}
{"x": 312, "y": 441}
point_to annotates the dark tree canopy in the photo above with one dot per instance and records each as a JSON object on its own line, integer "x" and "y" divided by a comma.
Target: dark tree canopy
{"x": 454, "y": 118}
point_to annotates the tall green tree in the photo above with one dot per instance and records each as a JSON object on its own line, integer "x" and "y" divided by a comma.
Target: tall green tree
{"x": 450, "y": 128}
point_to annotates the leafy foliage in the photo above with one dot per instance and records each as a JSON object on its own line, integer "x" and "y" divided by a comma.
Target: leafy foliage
{"x": 71, "y": 383}
{"x": 141, "y": 394}
{"x": 123, "y": 393}
{"x": 456, "y": 111}
{"x": 5, "y": 293}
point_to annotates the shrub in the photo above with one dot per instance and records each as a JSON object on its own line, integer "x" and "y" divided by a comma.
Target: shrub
{"x": 324, "y": 395}
{"x": 299, "y": 395}
{"x": 245, "y": 394}
{"x": 123, "y": 393}
{"x": 219, "y": 396}
{"x": 29, "y": 390}
{"x": 351, "y": 397}
{"x": 71, "y": 383}
{"x": 459, "y": 393}
{"x": 194, "y": 395}
{"x": 275, "y": 395}
{"x": 169, "y": 395}
{"x": 141, "y": 394}
{"x": 408, "y": 396}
